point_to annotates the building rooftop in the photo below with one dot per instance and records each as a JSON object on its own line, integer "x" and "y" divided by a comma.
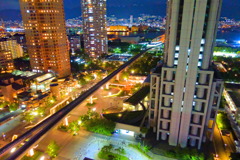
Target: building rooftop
{"x": 41, "y": 97}
{"x": 127, "y": 117}
{"x": 138, "y": 96}
{"x": 5, "y": 76}
{"x": 16, "y": 86}
{"x": 234, "y": 92}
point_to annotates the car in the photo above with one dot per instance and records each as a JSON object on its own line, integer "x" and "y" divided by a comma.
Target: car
{"x": 225, "y": 133}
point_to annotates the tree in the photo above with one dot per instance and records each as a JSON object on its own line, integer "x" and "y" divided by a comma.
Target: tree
{"x": 28, "y": 117}
{"x": 92, "y": 114}
{"x": 125, "y": 74}
{"x": 120, "y": 150}
{"x": 52, "y": 149}
{"x": 107, "y": 148}
{"x": 82, "y": 81}
{"x": 50, "y": 101}
{"x": 74, "y": 127}
{"x": 3, "y": 104}
{"x": 41, "y": 110}
{"x": 13, "y": 107}
{"x": 117, "y": 50}
{"x": 100, "y": 125}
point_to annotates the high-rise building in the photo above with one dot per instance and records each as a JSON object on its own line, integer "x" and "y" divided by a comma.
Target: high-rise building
{"x": 6, "y": 61}
{"x": 46, "y": 37}
{"x": 3, "y": 32}
{"x": 185, "y": 96}
{"x": 131, "y": 21}
{"x": 94, "y": 27}
{"x": 75, "y": 43}
{"x": 11, "y": 45}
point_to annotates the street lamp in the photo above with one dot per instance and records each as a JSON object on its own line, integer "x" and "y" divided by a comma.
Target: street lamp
{"x": 42, "y": 158}
{"x": 13, "y": 150}
{"x": 31, "y": 152}
{"x": 79, "y": 122}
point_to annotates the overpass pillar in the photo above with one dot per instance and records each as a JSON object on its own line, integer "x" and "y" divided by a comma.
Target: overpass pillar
{"x": 117, "y": 76}
{"x": 91, "y": 99}
{"x": 107, "y": 85}
{"x": 31, "y": 152}
{"x": 66, "y": 121}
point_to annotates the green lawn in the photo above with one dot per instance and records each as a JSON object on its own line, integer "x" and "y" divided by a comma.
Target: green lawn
{"x": 111, "y": 156}
{"x": 142, "y": 149}
{"x": 223, "y": 122}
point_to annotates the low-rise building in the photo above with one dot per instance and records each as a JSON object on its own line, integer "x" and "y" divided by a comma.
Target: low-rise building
{"x": 133, "y": 39}
{"x": 6, "y": 61}
{"x": 117, "y": 28}
{"x": 11, "y": 86}
{"x": 231, "y": 94}
{"x": 10, "y": 44}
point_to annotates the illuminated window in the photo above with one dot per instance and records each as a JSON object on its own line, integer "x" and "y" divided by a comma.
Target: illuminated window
{"x": 90, "y": 19}
{"x": 175, "y": 62}
{"x": 177, "y": 48}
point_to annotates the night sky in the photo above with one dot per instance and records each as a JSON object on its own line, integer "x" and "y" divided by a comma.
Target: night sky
{"x": 9, "y": 9}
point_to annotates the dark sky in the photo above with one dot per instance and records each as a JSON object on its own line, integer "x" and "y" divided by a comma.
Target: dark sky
{"x": 9, "y": 9}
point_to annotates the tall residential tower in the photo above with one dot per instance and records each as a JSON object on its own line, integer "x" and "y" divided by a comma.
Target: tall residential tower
{"x": 185, "y": 96}
{"x": 45, "y": 30}
{"x": 94, "y": 27}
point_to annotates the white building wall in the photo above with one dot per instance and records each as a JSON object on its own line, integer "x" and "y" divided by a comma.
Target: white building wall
{"x": 187, "y": 84}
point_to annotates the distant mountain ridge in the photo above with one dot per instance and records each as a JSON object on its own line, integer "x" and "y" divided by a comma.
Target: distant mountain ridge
{"x": 124, "y": 8}
{"x": 120, "y": 11}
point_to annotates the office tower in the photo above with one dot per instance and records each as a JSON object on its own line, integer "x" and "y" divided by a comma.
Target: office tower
{"x": 75, "y": 43}
{"x": 6, "y": 61}
{"x": 46, "y": 37}
{"x": 185, "y": 96}
{"x": 94, "y": 27}
{"x": 3, "y": 32}
{"x": 12, "y": 46}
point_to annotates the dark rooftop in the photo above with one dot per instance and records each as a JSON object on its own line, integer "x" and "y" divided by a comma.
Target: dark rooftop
{"x": 16, "y": 86}
{"x": 138, "y": 96}
{"x": 127, "y": 117}
{"x": 41, "y": 97}
{"x": 235, "y": 97}
{"x": 5, "y": 76}
{"x": 234, "y": 92}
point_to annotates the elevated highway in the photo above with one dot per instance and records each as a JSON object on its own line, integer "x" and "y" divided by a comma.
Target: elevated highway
{"x": 39, "y": 131}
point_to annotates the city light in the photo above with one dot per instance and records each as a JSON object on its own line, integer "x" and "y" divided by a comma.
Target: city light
{"x": 31, "y": 152}
{"x": 42, "y": 158}
{"x": 13, "y": 150}
{"x": 35, "y": 113}
{"x": 79, "y": 122}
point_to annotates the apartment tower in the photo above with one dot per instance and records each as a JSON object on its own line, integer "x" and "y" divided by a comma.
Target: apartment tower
{"x": 94, "y": 27}
{"x": 46, "y": 37}
{"x": 6, "y": 61}
{"x": 185, "y": 96}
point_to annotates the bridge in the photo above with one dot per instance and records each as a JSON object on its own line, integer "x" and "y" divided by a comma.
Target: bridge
{"x": 37, "y": 133}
